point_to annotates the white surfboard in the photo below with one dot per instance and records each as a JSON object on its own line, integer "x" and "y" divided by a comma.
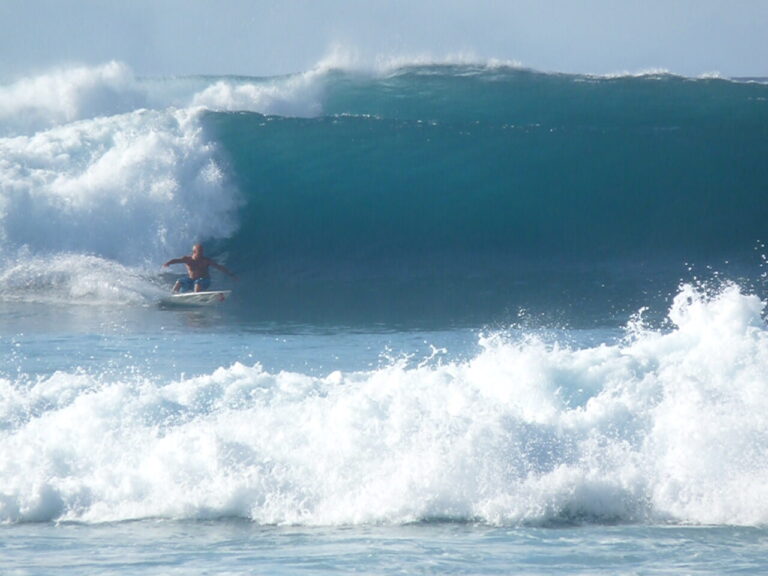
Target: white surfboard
{"x": 185, "y": 299}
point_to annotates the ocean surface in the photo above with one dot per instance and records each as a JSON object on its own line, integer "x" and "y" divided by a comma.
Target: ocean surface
{"x": 487, "y": 320}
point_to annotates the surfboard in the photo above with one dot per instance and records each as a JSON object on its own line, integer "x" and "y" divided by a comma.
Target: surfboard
{"x": 195, "y": 299}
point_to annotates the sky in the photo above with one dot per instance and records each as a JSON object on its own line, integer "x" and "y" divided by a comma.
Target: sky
{"x": 269, "y": 37}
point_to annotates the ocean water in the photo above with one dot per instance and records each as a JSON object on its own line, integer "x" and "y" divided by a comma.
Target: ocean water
{"x": 487, "y": 321}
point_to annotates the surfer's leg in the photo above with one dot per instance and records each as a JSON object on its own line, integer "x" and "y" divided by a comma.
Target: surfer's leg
{"x": 184, "y": 284}
{"x": 202, "y": 284}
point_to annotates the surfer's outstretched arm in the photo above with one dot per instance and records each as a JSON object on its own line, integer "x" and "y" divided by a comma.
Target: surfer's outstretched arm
{"x": 223, "y": 268}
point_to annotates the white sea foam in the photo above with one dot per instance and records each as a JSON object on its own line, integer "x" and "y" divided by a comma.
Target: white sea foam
{"x": 67, "y": 95}
{"x": 86, "y": 170}
{"x": 669, "y": 426}
{"x": 299, "y": 95}
{"x": 91, "y": 185}
{"x": 67, "y": 277}
{"x": 344, "y": 57}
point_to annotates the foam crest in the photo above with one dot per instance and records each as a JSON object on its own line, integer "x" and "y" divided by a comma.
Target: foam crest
{"x": 297, "y": 96}
{"x": 301, "y": 95}
{"x": 351, "y": 59}
{"x": 90, "y": 186}
{"x": 666, "y": 427}
{"x": 69, "y": 94}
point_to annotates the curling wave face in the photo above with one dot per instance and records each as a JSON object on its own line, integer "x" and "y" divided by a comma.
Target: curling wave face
{"x": 469, "y": 186}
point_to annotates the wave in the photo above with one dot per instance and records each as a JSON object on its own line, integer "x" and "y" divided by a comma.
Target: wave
{"x": 663, "y": 426}
{"x": 456, "y": 177}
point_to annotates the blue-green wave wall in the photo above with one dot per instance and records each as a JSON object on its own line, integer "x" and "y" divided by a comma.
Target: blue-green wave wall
{"x": 436, "y": 175}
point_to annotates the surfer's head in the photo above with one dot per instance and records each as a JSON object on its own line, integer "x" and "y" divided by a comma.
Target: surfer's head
{"x": 197, "y": 251}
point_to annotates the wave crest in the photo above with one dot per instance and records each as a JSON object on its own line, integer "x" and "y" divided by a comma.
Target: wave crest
{"x": 69, "y": 94}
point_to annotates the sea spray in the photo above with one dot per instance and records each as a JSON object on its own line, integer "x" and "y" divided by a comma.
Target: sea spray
{"x": 665, "y": 426}
{"x": 73, "y": 278}
{"x": 68, "y": 95}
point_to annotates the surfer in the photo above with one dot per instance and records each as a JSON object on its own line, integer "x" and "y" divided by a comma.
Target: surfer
{"x": 198, "y": 278}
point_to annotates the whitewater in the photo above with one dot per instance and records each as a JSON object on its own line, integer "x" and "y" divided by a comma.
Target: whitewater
{"x": 488, "y": 320}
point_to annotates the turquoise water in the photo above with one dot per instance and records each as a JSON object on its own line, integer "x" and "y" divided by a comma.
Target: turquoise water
{"x": 236, "y": 547}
